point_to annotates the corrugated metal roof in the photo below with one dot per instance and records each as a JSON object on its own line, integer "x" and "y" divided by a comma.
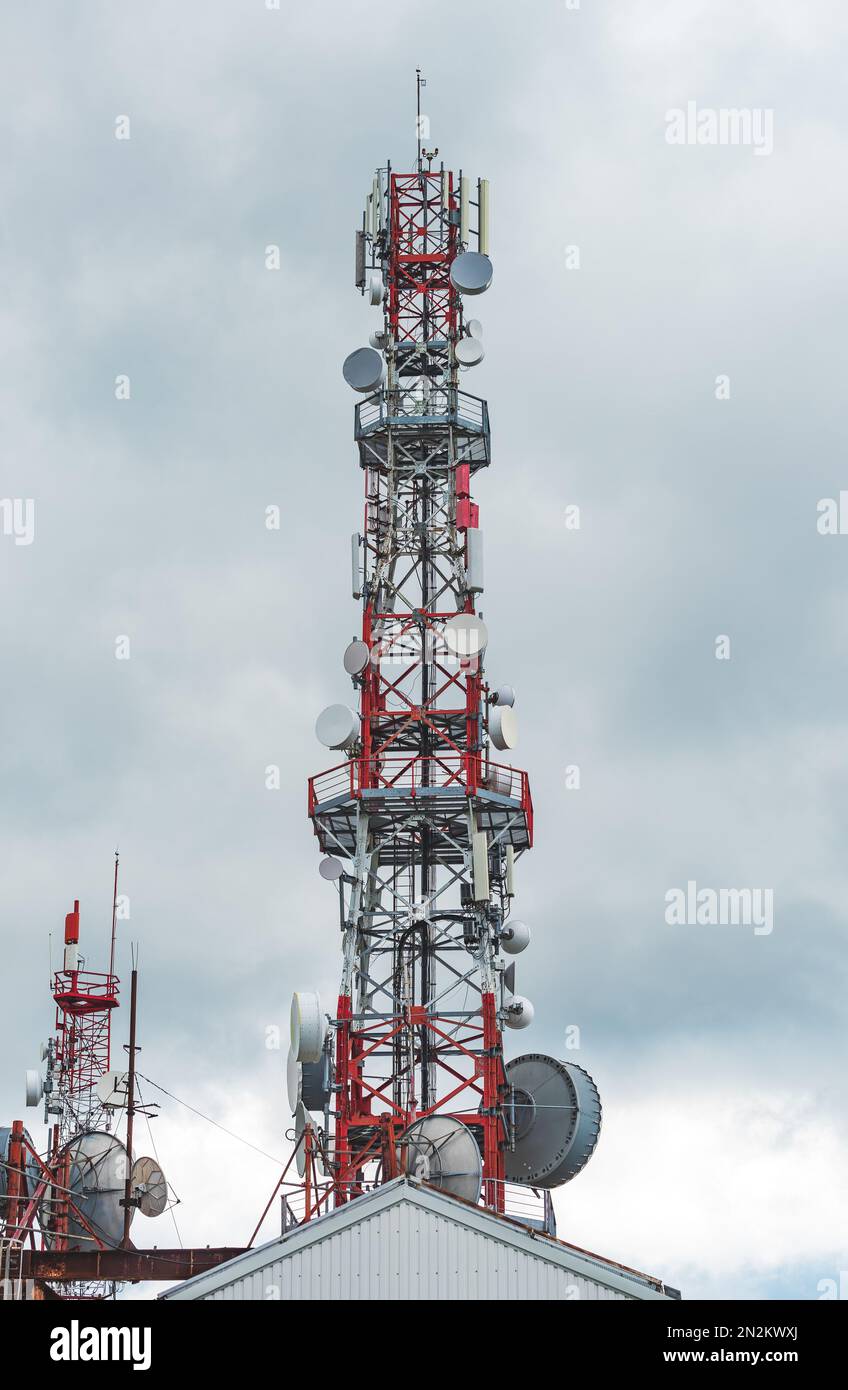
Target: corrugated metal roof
{"x": 409, "y": 1241}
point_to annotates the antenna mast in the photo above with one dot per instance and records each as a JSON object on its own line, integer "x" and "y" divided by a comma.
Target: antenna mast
{"x": 425, "y": 820}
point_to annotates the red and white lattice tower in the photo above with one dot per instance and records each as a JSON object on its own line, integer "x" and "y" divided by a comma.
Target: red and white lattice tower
{"x": 80, "y": 1052}
{"x": 427, "y": 812}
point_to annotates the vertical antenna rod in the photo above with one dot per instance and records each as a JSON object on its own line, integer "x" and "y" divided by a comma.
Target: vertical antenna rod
{"x": 128, "y": 1199}
{"x": 114, "y": 917}
{"x": 419, "y": 83}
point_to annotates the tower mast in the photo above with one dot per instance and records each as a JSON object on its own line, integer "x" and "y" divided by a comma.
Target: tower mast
{"x": 425, "y": 819}
{"x": 430, "y": 822}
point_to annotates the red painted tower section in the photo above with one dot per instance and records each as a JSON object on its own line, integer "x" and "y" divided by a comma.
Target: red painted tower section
{"x": 425, "y": 823}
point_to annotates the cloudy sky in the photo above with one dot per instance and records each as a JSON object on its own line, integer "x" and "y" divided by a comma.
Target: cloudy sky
{"x": 703, "y": 269}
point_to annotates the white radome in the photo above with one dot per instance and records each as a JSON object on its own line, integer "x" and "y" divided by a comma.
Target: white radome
{"x": 308, "y": 1026}
{"x": 337, "y": 726}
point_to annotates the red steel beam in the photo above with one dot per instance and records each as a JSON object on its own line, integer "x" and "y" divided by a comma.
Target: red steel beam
{"x": 123, "y": 1265}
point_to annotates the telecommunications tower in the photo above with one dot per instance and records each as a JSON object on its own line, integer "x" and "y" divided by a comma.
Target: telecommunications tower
{"x": 62, "y": 1208}
{"x": 424, "y": 820}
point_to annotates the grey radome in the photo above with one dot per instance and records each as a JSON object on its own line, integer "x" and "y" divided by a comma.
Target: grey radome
{"x": 364, "y": 370}
{"x": 356, "y": 657}
{"x": 471, "y": 273}
{"x": 294, "y": 1080}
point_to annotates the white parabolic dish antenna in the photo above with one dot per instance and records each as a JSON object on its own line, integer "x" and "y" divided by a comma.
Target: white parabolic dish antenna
{"x": 443, "y": 1151}
{"x": 557, "y": 1120}
{"x": 331, "y": 869}
{"x": 466, "y": 636}
{"x": 356, "y": 657}
{"x": 149, "y": 1187}
{"x": 521, "y": 1012}
{"x": 364, "y": 370}
{"x": 337, "y": 726}
{"x": 308, "y": 1026}
{"x": 113, "y": 1089}
{"x": 503, "y": 727}
{"x": 469, "y": 351}
{"x": 515, "y": 937}
{"x": 471, "y": 273}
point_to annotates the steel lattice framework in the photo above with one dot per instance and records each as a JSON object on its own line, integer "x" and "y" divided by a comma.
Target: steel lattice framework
{"x": 422, "y": 999}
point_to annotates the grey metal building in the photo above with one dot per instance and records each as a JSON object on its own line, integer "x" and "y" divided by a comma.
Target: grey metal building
{"x": 408, "y": 1240}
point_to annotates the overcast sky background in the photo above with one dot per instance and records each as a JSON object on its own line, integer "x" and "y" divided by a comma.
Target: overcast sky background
{"x": 720, "y": 1056}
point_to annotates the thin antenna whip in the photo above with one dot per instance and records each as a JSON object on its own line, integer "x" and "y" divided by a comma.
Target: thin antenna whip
{"x": 114, "y": 917}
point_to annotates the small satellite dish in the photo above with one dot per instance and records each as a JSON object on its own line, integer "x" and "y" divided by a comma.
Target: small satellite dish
{"x": 331, "y": 869}
{"x": 469, "y": 352}
{"x": 337, "y": 727}
{"x": 308, "y": 1027}
{"x": 294, "y": 1080}
{"x": 503, "y": 727}
{"x": 364, "y": 370}
{"x": 505, "y": 695}
{"x": 515, "y": 937}
{"x": 471, "y": 273}
{"x": 356, "y": 657}
{"x": 112, "y": 1089}
{"x": 379, "y": 340}
{"x": 520, "y": 1012}
{"x": 475, "y": 328}
{"x": 375, "y": 288}
{"x": 34, "y": 1087}
{"x": 443, "y": 1151}
{"x": 557, "y": 1120}
{"x": 149, "y": 1186}
{"x": 466, "y": 635}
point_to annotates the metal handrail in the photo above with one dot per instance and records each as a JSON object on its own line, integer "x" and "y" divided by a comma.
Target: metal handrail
{"x": 412, "y": 774}
{"x": 444, "y": 404}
